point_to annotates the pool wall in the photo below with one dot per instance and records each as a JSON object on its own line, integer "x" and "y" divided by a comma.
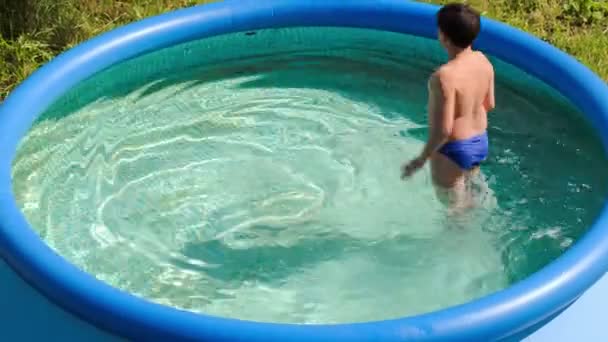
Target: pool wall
{"x": 26, "y": 315}
{"x": 507, "y": 315}
{"x": 32, "y": 317}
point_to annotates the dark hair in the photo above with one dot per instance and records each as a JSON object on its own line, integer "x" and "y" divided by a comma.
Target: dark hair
{"x": 459, "y": 23}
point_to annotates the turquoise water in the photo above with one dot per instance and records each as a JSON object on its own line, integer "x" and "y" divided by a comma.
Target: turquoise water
{"x": 256, "y": 176}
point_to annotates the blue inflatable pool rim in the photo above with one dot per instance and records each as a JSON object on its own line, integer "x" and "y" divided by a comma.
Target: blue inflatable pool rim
{"x": 505, "y": 315}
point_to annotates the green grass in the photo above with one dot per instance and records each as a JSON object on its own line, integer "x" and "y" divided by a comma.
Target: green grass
{"x": 579, "y": 27}
{"x": 34, "y": 31}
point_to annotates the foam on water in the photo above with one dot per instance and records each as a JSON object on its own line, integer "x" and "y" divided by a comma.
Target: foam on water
{"x": 268, "y": 189}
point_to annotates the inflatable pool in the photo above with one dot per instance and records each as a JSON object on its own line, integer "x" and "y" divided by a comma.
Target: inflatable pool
{"x": 510, "y": 314}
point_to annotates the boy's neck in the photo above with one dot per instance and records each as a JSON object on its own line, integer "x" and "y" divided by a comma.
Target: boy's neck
{"x": 454, "y": 52}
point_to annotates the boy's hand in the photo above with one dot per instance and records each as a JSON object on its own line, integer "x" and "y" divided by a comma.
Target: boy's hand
{"x": 407, "y": 170}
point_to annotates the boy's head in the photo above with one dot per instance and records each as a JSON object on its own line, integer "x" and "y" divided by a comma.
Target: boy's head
{"x": 458, "y": 24}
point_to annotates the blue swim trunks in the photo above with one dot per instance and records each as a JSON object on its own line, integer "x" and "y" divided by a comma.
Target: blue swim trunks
{"x": 467, "y": 153}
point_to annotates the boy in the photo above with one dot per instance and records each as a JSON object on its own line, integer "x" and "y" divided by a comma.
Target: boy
{"x": 461, "y": 93}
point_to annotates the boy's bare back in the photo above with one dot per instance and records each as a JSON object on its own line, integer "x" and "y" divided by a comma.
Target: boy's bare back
{"x": 471, "y": 77}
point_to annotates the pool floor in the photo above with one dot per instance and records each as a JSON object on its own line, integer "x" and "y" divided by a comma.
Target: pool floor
{"x": 33, "y": 318}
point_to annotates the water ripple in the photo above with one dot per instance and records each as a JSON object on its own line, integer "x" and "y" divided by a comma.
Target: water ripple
{"x": 271, "y": 194}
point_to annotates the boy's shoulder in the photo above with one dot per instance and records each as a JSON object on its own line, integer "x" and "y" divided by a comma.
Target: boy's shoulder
{"x": 443, "y": 73}
{"x": 486, "y": 60}
{"x": 478, "y": 58}
{"x": 441, "y": 78}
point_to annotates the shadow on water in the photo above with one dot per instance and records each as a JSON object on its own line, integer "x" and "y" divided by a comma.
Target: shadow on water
{"x": 276, "y": 262}
{"x": 269, "y": 263}
{"x": 387, "y": 59}
{"x": 400, "y": 86}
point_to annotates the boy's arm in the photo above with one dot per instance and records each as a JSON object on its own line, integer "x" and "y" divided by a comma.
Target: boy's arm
{"x": 490, "y": 102}
{"x": 442, "y": 112}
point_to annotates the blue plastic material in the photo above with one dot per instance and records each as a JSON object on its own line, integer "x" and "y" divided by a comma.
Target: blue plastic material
{"x": 26, "y": 315}
{"x": 510, "y": 313}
